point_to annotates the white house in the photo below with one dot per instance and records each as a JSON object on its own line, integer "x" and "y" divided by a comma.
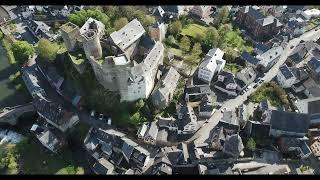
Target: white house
{"x": 211, "y": 64}
{"x": 285, "y": 77}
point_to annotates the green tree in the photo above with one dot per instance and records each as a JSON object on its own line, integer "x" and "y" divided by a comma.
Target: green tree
{"x": 139, "y": 104}
{"x": 47, "y": 50}
{"x": 212, "y": 37}
{"x": 184, "y": 44}
{"x": 175, "y": 27}
{"x": 223, "y": 16}
{"x": 230, "y": 54}
{"x": 191, "y": 61}
{"x": 22, "y": 50}
{"x": 136, "y": 119}
{"x": 196, "y": 49}
{"x": 251, "y": 145}
{"x": 147, "y": 21}
{"x": 170, "y": 40}
{"x": 119, "y": 23}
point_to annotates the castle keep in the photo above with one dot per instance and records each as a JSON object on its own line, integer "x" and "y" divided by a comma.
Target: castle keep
{"x": 126, "y": 62}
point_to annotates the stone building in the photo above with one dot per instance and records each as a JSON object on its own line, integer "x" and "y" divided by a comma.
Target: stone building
{"x": 127, "y": 62}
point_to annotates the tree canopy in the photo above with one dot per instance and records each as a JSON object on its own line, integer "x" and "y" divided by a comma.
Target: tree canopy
{"x": 175, "y": 27}
{"x": 196, "y": 49}
{"x": 80, "y": 17}
{"x": 119, "y": 23}
{"x": 251, "y": 145}
{"x": 47, "y": 50}
{"x": 22, "y": 50}
{"x": 223, "y": 16}
{"x": 212, "y": 37}
{"x": 185, "y": 44}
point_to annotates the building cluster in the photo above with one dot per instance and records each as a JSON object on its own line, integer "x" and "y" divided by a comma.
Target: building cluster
{"x": 126, "y": 62}
{"x": 55, "y": 117}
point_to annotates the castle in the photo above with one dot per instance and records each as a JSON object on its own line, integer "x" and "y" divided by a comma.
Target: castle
{"x": 126, "y": 62}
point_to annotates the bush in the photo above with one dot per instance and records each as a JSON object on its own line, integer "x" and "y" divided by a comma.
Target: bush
{"x": 251, "y": 145}
{"x": 7, "y": 47}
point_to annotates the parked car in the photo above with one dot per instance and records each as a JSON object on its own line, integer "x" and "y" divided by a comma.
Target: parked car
{"x": 109, "y": 121}
{"x": 256, "y": 85}
{"x": 93, "y": 112}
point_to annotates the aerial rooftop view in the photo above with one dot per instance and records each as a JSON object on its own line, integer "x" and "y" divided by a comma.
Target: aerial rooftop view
{"x": 159, "y": 90}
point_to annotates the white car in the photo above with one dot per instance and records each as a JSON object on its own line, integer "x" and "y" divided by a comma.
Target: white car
{"x": 109, "y": 121}
{"x": 93, "y": 112}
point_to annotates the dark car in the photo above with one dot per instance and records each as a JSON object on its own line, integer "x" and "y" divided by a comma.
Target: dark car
{"x": 291, "y": 47}
{"x": 256, "y": 85}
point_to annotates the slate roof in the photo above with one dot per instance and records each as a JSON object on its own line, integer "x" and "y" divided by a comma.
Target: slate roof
{"x": 50, "y": 140}
{"x": 309, "y": 106}
{"x": 286, "y": 72}
{"x": 249, "y": 58}
{"x": 289, "y": 121}
{"x": 158, "y": 12}
{"x": 128, "y": 34}
{"x": 261, "y": 48}
{"x": 233, "y": 145}
{"x": 314, "y": 65}
{"x": 312, "y": 87}
{"x": 252, "y": 12}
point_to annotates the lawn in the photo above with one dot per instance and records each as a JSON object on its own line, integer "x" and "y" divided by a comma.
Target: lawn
{"x": 233, "y": 68}
{"x": 176, "y": 52}
{"x": 193, "y": 30}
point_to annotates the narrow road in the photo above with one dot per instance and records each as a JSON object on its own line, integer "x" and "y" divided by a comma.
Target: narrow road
{"x": 203, "y": 133}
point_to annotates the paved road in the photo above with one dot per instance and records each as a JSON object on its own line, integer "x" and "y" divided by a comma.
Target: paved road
{"x": 203, "y": 133}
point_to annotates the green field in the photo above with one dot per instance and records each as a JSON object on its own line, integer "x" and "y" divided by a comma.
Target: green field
{"x": 193, "y": 30}
{"x": 176, "y": 52}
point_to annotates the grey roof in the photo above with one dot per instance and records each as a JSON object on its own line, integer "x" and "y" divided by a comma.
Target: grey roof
{"x": 264, "y": 105}
{"x": 285, "y": 71}
{"x": 215, "y": 53}
{"x": 172, "y": 8}
{"x": 289, "y": 121}
{"x": 153, "y": 130}
{"x": 312, "y": 87}
{"x": 249, "y": 58}
{"x": 50, "y": 140}
{"x": 249, "y": 75}
{"x": 168, "y": 84}
{"x": 230, "y": 117}
{"x": 154, "y": 56}
{"x": 252, "y": 12}
{"x": 128, "y": 34}
{"x": 310, "y": 105}
{"x": 261, "y": 48}
{"x": 31, "y": 80}
{"x": 314, "y": 65}
{"x": 299, "y": 73}
{"x": 233, "y": 145}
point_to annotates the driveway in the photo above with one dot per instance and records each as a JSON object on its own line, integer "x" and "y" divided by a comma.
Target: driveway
{"x": 203, "y": 133}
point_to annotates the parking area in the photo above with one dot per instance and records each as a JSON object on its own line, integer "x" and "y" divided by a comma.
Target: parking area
{"x": 25, "y": 33}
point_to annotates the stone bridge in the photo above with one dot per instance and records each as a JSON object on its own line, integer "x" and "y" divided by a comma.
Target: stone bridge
{"x": 10, "y": 115}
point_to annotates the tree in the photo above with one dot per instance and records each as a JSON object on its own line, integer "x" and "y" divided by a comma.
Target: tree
{"x": 1, "y": 35}
{"x": 224, "y": 29}
{"x": 175, "y": 27}
{"x": 196, "y": 49}
{"x": 147, "y": 21}
{"x": 223, "y": 16}
{"x": 185, "y": 44}
{"x": 191, "y": 61}
{"x": 119, "y": 23}
{"x": 230, "y": 54}
{"x": 251, "y": 145}
{"x": 170, "y": 40}
{"x": 136, "y": 119}
{"x": 139, "y": 104}
{"x": 212, "y": 37}
{"x": 47, "y": 50}
{"x": 22, "y": 50}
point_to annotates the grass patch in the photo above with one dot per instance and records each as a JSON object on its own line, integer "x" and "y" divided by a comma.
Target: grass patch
{"x": 272, "y": 92}
{"x": 77, "y": 58}
{"x": 194, "y": 30}
{"x": 7, "y": 46}
{"x": 232, "y": 68}
{"x": 70, "y": 170}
